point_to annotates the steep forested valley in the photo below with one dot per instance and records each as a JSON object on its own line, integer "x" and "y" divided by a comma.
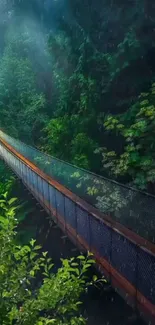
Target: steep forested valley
{"x": 77, "y": 81}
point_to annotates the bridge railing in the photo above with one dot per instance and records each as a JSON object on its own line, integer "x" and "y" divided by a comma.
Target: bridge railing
{"x": 131, "y": 208}
{"x": 123, "y": 256}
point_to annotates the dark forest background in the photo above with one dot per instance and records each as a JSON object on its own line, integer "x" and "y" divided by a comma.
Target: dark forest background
{"x": 77, "y": 80}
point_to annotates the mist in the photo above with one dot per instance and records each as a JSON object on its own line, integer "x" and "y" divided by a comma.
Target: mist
{"x": 32, "y": 21}
{"x": 26, "y": 28}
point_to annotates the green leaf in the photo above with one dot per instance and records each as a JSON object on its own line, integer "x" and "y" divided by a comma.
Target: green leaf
{"x": 46, "y": 274}
{"x": 91, "y": 261}
{"x": 44, "y": 254}
{"x": 50, "y": 267}
{"x": 37, "y": 247}
{"x": 90, "y": 254}
{"x": 33, "y": 255}
{"x": 81, "y": 257}
{"x": 95, "y": 278}
{"x": 5, "y": 195}
{"x": 32, "y": 273}
{"x": 2, "y": 201}
{"x": 4, "y": 220}
{"x": 12, "y": 200}
{"x": 86, "y": 266}
{"x": 32, "y": 242}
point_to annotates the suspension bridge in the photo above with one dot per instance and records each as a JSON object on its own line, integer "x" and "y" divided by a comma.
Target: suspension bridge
{"x": 114, "y": 222}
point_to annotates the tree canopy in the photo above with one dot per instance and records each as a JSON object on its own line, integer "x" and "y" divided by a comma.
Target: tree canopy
{"x": 70, "y": 79}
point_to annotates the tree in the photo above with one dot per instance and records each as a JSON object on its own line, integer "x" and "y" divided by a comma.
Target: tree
{"x": 136, "y": 127}
{"x": 21, "y": 103}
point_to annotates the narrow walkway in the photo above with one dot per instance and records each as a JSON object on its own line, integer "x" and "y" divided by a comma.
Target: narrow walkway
{"x": 125, "y": 257}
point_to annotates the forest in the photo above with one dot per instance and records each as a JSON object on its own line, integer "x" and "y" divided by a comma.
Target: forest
{"x": 77, "y": 81}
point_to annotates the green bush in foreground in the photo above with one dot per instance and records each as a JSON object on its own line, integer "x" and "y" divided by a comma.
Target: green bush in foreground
{"x": 57, "y": 299}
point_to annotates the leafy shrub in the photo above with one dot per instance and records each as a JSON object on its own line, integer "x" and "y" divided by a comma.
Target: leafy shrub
{"x": 137, "y": 129}
{"x": 22, "y": 301}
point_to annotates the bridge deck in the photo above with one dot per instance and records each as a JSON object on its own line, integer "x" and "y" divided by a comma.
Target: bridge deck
{"x": 125, "y": 257}
{"x": 129, "y": 207}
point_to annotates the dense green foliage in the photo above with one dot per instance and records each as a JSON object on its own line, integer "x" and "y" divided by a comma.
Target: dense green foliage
{"x": 137, "y": 128}
{"x": 9, "y": 185}
{"x": 21, "y": 103}
{"x": 30, "y": 294}
{"x": 6, "y": 179}
{"x": 69, "y": 68}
